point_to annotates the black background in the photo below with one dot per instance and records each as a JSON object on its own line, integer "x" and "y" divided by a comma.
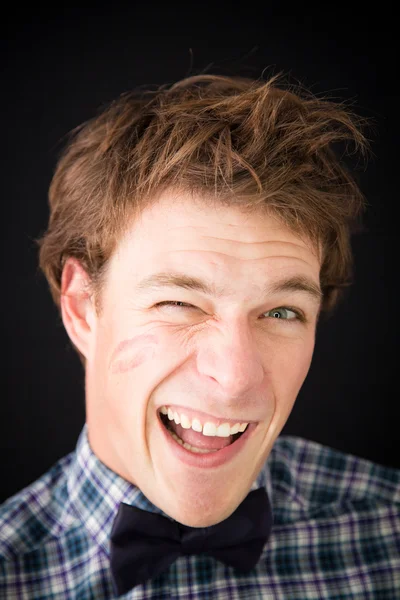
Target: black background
{"x": 58, "y": 67}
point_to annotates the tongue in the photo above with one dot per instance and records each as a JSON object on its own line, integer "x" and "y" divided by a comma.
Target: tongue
{"x": 194, "y": 438}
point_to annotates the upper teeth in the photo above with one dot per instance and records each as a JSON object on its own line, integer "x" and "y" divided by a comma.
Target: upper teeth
{"x": 208, "y": 428}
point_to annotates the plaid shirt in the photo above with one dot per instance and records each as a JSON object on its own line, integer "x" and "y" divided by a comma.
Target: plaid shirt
{"x": 336, "y": 533}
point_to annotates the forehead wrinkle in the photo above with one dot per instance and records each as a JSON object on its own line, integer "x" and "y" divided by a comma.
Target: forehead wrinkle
{"x": 253, "y": 242}
{"x": 302, "y": 244}
{"x": 172, "y": 278}
{"x": 243, "y": 250}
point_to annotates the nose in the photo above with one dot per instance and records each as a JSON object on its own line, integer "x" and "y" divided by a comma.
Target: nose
{"x": 232, "y": 359}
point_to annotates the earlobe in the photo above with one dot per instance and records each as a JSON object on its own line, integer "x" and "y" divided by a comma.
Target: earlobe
{"x": 77, "y": 307}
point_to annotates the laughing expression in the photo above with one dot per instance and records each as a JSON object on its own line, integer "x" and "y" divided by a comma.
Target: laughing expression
{"x": 205, "y": 337}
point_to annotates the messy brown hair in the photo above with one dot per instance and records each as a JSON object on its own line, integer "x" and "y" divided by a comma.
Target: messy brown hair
{"x": 247, "y": 142}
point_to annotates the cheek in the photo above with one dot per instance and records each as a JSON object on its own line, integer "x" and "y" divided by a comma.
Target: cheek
{"x": 287, "y": 376}
{"x": 287, "y": 362}
{"x": 132, "y": 353}
{"x": 294, "y": 368}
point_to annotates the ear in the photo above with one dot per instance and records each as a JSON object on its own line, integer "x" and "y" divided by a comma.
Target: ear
{"x": 77, "y": 306}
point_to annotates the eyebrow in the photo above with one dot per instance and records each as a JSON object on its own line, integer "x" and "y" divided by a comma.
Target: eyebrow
{"x": 171, "y": 279}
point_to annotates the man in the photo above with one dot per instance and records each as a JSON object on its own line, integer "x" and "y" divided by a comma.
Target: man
{"x": 196, "y": 234}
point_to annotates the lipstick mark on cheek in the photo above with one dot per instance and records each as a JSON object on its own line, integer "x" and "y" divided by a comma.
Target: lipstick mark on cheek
{"x": 131, "y": 353}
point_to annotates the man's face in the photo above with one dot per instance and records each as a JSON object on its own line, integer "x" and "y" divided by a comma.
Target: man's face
{"x": 235, "y": 350}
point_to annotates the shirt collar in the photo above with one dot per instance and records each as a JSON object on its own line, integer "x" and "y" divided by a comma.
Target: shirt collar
{"x": 95, "y": 491}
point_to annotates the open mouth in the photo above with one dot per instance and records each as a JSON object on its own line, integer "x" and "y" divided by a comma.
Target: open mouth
{"x": 196, "y": 441}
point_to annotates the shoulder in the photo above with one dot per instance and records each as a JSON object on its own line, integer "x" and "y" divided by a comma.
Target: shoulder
{"x": 36, "y": 514}
{"x": 311, "y": 479}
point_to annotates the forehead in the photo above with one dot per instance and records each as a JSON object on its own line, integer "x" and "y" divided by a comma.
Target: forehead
{"x": 177, "y": 222}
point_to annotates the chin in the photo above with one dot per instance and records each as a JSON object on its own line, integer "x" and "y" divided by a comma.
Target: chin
{"x": 201, "y": 513}
{"x": 196, "y": 520}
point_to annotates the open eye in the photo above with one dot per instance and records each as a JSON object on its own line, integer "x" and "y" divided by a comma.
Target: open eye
{"x": 283, "y": 312}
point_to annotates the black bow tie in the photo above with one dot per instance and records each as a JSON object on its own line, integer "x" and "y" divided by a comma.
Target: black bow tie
{"x": 144, "y": 544}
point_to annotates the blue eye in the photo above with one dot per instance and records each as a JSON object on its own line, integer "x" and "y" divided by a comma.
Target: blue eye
{"x": 282, "y": 313}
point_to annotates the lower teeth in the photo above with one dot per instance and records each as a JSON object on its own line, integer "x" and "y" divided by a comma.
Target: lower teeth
{"x": 188, "y": 446}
